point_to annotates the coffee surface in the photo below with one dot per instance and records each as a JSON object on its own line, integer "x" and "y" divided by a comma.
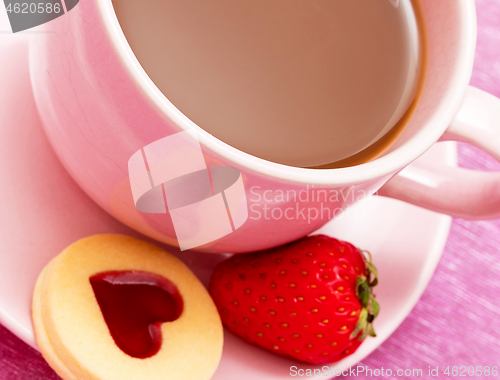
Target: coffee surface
{"x": 299, "y": 82}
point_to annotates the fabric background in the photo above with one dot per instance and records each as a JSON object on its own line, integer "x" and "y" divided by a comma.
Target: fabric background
{"x": 456, "y": 322}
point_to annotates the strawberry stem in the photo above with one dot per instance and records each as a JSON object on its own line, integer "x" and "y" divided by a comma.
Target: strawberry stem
{"x": 364, "y": 291}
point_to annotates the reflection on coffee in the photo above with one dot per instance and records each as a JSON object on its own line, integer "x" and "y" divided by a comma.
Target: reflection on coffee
{"x": 306, "y": 83}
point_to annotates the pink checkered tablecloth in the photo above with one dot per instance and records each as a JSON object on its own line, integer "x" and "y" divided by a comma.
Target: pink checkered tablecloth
{"x": 456, "y": 322}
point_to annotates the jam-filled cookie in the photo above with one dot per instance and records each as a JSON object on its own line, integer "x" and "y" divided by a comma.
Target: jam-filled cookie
{"x": 114, "y": 307}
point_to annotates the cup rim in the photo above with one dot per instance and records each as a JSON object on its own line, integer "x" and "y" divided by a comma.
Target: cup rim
{"x": 380, "y": 167}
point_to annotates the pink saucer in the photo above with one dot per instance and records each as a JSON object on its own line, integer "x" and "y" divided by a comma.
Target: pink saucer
{"x": 43, "y": 211}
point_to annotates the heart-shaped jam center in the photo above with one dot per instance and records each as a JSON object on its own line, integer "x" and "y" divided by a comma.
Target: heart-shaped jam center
{"x": 134, "y": 304}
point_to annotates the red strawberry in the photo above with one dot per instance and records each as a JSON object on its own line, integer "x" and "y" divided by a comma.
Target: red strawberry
{"x": 311, "y": 300}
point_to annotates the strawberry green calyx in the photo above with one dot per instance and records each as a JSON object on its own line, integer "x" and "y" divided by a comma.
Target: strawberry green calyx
{"x": 369, "y": 306}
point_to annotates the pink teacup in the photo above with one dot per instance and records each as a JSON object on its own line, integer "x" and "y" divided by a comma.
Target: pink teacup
{"x": 99, "y": 107}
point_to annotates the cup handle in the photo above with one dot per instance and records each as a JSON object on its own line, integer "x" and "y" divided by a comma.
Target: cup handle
{"x": 458, "y": 192}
